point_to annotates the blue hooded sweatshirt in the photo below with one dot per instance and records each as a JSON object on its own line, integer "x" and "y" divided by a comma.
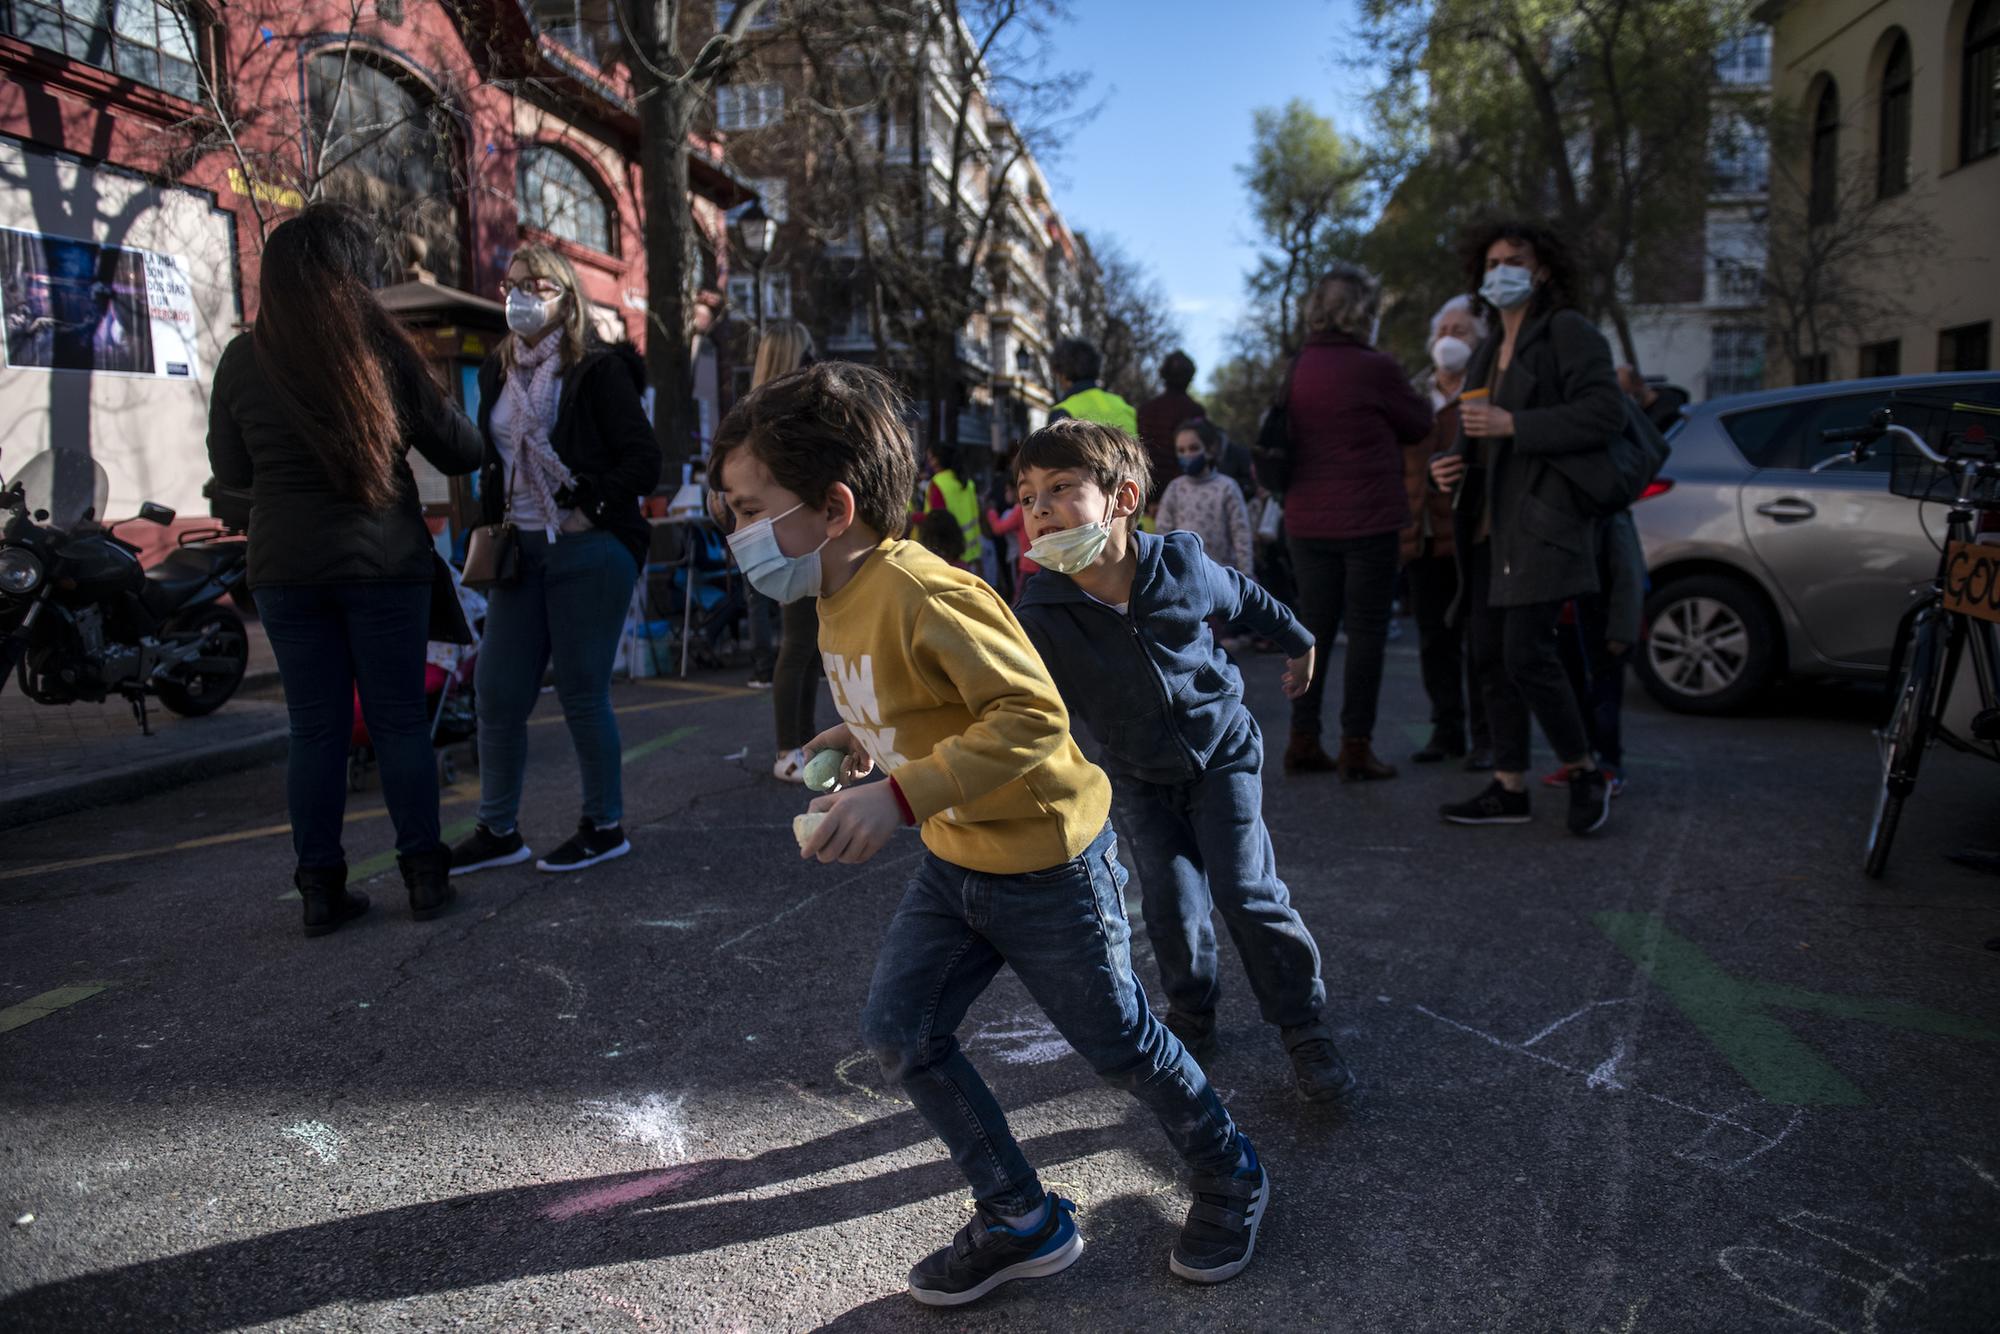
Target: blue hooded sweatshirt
{"x": 1152, "y": 685}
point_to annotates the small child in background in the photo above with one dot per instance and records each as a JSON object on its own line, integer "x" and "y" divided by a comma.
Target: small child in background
{"x": 1122, "y": 620}
{"x": 1204, "y": 502}
{"x": 938, "y": 533}
{"x": 939, "y": 687}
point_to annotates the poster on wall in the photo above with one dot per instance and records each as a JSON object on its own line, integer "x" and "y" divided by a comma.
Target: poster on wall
{"x": 78, "y": 306}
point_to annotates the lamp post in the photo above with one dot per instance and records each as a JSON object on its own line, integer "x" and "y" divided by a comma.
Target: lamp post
{"x": 756, "y": 231}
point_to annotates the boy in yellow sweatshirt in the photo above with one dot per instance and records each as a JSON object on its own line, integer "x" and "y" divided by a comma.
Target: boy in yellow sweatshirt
{"x": 940, "y": 688}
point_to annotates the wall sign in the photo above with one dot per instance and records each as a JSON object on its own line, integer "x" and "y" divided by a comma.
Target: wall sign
{"x": 74, "y": 305}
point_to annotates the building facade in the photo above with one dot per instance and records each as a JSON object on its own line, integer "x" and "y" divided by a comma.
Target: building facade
{"x": 148, "y": 146}
{"x": 1897, "y": 156}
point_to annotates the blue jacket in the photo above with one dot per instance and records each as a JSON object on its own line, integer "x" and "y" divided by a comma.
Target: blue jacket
{"x": 1151, "y": 685}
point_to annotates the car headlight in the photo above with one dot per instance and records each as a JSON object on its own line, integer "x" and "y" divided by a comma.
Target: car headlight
{"x": 20, "y": 572}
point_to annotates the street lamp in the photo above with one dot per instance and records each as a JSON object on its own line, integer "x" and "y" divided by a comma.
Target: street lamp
{"x": 756, "y": 232}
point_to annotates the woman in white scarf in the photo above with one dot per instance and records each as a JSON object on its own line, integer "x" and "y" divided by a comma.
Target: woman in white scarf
{"x": 549, "y": 389}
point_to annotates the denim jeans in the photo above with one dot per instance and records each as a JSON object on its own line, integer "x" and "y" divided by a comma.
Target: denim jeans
{"x": 795, "y": 687}
{"x": 330, "y": 639}
{"x": 569, "y": 605}
{"x": 1351, "y": 579}
{"x": 1064, "y": 933}
{"x": 1514, "y": 656}
{"x": 1201, "y": 847}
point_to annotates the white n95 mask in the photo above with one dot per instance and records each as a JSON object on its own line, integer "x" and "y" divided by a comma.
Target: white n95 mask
{"x": 770, "y": 571}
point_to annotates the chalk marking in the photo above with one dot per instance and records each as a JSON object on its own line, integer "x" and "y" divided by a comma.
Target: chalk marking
{"x": 1577, "y": 1014}
{"x": 319, "y": 1138}
{"x": 1632, "y": 1314}
{"x": 862, "y": 1058}
{"x": 875, "y": 869}
{"x": 655, "y": 1121}
{"x": 46, "y": 1004}
{"x": 1602, "y": 1076}
{"x": 658, "y": 743}
{"x": 574, "y": 993}
{"x": 1033, "y": 1040}
{"x": 742, "y": 754}
{"x": 1979, "y": 1172}
{"x": 1876, "y": 1295}
{"x": 1690, "y": 1152}
{"x": 600, "y": 1198}
{"x": 818, "y": 1101}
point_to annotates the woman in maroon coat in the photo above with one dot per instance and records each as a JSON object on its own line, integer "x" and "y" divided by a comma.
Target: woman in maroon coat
{"x": 1352, "y": 412}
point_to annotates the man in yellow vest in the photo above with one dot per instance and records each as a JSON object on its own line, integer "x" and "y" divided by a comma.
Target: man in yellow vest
{"x": 1076, "y": 366}
{"x": 961, "y": 498}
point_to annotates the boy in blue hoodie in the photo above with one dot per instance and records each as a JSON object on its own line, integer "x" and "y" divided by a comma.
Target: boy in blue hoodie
{"x": 1121, "y": 619}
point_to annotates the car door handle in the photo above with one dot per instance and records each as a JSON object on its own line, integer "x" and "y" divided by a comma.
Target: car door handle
{"x": 1788, "y": 510}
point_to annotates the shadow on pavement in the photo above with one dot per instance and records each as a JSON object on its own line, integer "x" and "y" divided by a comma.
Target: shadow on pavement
{"x": 474, "y": 1240}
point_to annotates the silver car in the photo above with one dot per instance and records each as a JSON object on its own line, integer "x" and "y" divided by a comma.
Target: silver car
{"x": 1761, "y": 568}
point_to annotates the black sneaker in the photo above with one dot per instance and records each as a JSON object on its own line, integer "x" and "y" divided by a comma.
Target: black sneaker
{"x": 589, "y": 846}
{"x": 1196, "y": 1032}
{"x": 486, "y": 849}
{"x": 1496, "y": 805}
{"x": 1319, "y": 1072}
{"x": 987, "y": 1253}
{"x": 1220, "y": 1233}
{"x": 1589, "y": 800}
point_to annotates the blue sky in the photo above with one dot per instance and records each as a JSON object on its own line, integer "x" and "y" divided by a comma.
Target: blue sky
{"x": 1157, "y": 168}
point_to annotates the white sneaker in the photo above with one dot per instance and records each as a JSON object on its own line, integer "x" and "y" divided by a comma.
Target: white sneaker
{"x": 790, "y": 767}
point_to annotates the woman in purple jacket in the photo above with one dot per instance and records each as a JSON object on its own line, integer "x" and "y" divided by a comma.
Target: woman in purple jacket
{"x": 1352, "y": 412}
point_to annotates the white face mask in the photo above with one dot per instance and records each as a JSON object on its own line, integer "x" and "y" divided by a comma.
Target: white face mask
{"x": 1450, "y": 354}
{"x": 1507, "y": 285}
{"x": 528, "y": 315}
{"x": 1068, "y": 550}
{"x": 770, "y": 571}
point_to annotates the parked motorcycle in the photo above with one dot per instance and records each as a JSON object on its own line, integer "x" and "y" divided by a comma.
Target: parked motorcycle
{"x": 81, "y": 620}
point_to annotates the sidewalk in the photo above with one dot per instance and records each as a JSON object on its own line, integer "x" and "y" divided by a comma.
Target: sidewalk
{"x": 56, "y": 758}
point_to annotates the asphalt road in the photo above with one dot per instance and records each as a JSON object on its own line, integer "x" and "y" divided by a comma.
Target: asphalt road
{"x": 1695, "y": 1074}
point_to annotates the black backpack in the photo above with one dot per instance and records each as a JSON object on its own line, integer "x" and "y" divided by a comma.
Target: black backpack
{"x": 1271, "y": 457}
{"x": 1609, "y": 480}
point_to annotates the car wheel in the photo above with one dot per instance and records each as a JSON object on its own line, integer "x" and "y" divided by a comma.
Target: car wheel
{"x": 1711, "y": 645}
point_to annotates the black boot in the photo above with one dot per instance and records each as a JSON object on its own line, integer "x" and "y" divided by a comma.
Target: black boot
{"x": 328, "y": 900}
{"x": 428, "y": 876}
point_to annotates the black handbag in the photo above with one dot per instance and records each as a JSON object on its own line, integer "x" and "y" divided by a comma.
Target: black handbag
{"x": 1271, "y": 458}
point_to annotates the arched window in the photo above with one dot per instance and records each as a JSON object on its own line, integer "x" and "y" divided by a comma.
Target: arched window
{"x": 1979, "y": 98}
{"x": 561, "y": 198}
{"x": 1823, "y": 200}
{"x": 1892, "y": 165}
{"x": 383, "y": 144}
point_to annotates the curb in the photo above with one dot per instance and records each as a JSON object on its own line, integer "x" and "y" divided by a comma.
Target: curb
{"x": 126, "y": 784}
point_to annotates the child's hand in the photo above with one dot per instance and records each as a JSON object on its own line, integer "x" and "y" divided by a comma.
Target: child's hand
{"x": 1298, "y": 674}
{"x": 859, "y": 823}
{"x": 858, "y": 764}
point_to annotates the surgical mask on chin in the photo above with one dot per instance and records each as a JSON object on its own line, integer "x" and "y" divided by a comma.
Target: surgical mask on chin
{"x": 770, "y": 571}
{"x": 1194, "y": 465}
{"x": 527, "y": 315}
{"x": 1070, "y": 549}
{"x": 1450, "y": 354}
{"x": 1507, "y": 285}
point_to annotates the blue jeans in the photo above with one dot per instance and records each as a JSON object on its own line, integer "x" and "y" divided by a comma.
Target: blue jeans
{"x": 1202, "y": 846}
{"x": 569, "y": 605}
{"x": 1064, "y": 933}
{"x": 330, "y": 639}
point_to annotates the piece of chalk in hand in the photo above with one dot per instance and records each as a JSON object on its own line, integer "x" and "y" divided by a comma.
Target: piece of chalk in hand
{"x": 804, "y": 826}
{"x": 823, "y": 770}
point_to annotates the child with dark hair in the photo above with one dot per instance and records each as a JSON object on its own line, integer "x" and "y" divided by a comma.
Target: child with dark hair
{"x": 939, "y": 687}
{"x": 938, "y": 533}
{"x": 1117, "y": 608}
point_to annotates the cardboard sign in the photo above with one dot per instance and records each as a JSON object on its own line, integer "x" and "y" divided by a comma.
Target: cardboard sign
{"x": 1972, "y": 580}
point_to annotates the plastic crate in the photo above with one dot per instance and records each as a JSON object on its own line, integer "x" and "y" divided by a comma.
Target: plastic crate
{"x": 1953, "y": 427}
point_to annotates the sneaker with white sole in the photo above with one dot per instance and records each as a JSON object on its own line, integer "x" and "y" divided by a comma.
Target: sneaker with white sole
{"x": 486, "y": 850}
{"x": 1589, "y": 801}
{"x": 1220, "y": 1234}
{"x": 790, "y": 766}
{"x": 986, "y": 1253}
{"x": 589, "y": 846}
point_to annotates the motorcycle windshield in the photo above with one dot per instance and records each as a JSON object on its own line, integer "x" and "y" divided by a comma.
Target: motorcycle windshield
{"x": 69, "y": 486}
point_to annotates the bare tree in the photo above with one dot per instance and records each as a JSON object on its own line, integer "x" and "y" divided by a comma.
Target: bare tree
{"x": 1118, "y": 306}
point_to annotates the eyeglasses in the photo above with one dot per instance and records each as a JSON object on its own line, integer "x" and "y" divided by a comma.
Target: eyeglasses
{"x": 542, "y": 289}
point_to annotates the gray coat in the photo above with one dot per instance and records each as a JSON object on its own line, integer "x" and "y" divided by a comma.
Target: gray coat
{"x": 1565, "y": 400}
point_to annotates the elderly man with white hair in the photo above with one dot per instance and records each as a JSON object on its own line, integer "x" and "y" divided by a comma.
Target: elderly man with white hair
{"x": 1430, "y": 562}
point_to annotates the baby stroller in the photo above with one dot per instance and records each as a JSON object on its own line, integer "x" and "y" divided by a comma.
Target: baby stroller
{"x": 448, "y": 695}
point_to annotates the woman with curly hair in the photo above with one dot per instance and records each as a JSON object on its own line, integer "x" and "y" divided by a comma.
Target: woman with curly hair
{"x": 1541, "y": 386}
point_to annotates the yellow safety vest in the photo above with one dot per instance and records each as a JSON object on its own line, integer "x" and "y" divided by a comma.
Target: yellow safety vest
{"x": 962, "y": 499}
{"x": 1099, "y": 405}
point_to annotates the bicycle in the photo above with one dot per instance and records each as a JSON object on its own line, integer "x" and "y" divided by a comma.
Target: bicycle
{"x": 1952, "y": 614}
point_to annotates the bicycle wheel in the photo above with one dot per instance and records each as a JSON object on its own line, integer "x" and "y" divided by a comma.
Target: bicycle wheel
{"x": 1908, "y": 732}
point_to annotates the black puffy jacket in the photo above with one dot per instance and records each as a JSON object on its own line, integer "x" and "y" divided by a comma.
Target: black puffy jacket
{"x": 601, "y": 435}
{"x": 302, "y": 529}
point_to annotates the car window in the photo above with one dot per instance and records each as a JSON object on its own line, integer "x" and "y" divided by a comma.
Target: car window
{"x": 1786, "y": 435}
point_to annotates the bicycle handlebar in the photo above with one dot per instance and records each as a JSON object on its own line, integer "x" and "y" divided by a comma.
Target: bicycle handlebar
{"x": 1861, "y": 437}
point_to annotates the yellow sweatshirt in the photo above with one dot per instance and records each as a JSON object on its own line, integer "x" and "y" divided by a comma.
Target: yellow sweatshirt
{"x": 937, "y": 680}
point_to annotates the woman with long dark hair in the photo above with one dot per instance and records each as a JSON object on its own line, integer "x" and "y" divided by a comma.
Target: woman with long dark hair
{"x": 1540, "y": 386}
{"x": 314, "y": 411}
{"x": 569, "y": 453}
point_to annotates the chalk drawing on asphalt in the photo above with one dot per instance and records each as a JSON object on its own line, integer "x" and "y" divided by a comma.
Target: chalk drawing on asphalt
{"x": 1728, "y": 1140}
{"x": 654, "y": 1122}
{"x": 574, "y": 993}
{"x": 1020, "y": 1039}
{"x": 320, "y": 1139}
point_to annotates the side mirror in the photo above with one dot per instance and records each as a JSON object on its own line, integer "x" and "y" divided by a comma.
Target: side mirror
{"x": 158, "y": 514}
